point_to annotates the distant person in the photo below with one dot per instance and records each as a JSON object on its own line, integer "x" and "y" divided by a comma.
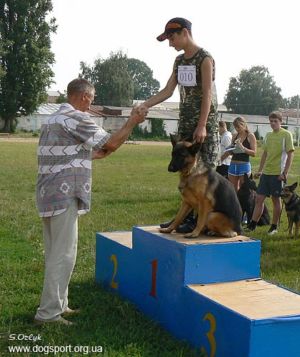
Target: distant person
{"x": 274, "y": 166}
{"x": 194, "y": 73}
{"x": 225, "y": 142}
{"x": 244, "y": 143}
{"x": 69, "y": 140}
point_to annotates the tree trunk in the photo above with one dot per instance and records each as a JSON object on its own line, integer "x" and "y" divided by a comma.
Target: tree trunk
{"x": 7, "y": 126}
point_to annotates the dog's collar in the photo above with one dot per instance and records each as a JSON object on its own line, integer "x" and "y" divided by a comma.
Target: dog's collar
{"x": 186, "y": 173}
{"x": 294, "y": 200}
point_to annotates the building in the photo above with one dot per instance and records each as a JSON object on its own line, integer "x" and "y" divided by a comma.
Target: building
{"x": 112, "y": 118}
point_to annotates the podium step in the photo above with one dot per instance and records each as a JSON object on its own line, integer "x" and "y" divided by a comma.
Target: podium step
{"x": 249, "y": 318}
{"x": 206, "y": 291}
{"x": 254, "y": 299}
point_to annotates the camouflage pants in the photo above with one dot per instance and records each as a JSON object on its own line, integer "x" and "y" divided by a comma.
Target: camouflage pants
{"x": 209, "y": 153}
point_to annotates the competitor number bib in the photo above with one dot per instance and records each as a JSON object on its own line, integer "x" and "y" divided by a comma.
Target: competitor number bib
{"x": 187, "y": 76}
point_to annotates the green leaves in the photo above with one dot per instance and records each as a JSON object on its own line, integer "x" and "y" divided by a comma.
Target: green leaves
{"x": 118, "y": 80}
{"x": 25, "y": 57}
{"x": 143, "y": 82}
{"x": 254, "y": 91}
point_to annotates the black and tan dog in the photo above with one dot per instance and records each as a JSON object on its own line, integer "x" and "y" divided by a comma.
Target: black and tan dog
{"x": 204, "y": 190}
{"x": 247, "y": 195}
{"x": 292, "y": 206}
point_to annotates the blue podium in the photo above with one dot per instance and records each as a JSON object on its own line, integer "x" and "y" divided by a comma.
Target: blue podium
{"x": 206, "y": 291}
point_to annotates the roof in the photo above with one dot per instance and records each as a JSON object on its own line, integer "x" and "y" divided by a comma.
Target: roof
{"x": 157, "y": 112}
{"x": 96, "y": 110}
{"x": 53, "y": 93}
{"x": 106, "y": 111}
{"x": 257, "y": 119}
{"x": 293, "y": 113}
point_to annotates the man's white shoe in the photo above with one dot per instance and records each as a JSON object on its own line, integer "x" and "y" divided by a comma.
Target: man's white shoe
{"x": 69, "y": 311}
{"x": 61, "y": 321}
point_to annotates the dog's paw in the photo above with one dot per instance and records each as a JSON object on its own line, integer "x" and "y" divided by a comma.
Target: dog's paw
{"x": 166, "y": 230}
{"x": 211, "y": 233}
{"x": 192, "y": 235}
{"x": 229, "y": 234}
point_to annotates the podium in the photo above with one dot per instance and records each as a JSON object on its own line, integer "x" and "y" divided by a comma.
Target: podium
{"x": 206, "y": 291}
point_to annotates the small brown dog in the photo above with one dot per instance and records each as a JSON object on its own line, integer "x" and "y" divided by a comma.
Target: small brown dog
{"x": 292, "y": 206}
{"x": 211, "y": 195}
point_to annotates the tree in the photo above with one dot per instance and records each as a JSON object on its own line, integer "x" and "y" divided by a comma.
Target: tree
{"x": 25, "y": 57}
{"x": 62, "y": 98}
{"x": 113, "y": 85}
{"x": 118, "y": 80}
{"x": 144, "y": 84}
{"x": 291, "y": 102}
{"x": 253, "y": 92}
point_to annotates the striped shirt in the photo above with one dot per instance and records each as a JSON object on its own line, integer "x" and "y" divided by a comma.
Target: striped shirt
{"x": 65, "y": 160}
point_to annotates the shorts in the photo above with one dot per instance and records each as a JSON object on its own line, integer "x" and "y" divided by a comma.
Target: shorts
{"x": 269, "y": 185}
{"x": 239, "y": 168}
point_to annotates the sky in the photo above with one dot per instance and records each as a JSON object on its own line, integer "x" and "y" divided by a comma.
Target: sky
{"x": 238, "y": 33}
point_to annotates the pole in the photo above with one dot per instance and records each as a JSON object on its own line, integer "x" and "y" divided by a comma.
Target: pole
{"x": 298, "y": 120}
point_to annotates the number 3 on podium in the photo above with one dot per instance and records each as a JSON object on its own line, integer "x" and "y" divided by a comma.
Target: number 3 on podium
{"x": 210, "y": 335}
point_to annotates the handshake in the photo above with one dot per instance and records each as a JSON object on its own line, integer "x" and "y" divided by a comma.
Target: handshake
{"x": 138, "y": 114}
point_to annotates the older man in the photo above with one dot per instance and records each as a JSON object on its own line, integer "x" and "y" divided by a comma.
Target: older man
{"x": 69, "y": 140}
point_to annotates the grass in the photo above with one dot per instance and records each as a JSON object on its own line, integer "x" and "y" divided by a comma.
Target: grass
{"x": 130, "y": 187}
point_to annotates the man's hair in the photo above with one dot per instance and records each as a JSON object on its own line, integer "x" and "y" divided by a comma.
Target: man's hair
{"x": 275, "y": 115}
{"x": 80, "y": 85}
{"x": 222, "y": 124}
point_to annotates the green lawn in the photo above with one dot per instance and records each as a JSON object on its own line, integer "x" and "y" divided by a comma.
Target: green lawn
{"x": 131, "y": 187}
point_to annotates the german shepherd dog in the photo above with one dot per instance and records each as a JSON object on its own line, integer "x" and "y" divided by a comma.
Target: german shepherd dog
{"x": 202, "y": 189}
{"x": 246, "y": 195}
{"x": 292, "y": 206}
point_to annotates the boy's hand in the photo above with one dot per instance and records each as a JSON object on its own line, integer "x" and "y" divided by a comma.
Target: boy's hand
{"x": 257, "y": 175}
{"x": 138, "y": 114}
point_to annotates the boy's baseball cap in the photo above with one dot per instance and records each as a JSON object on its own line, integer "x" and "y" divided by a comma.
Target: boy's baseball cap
{"x": 174, "y": 25}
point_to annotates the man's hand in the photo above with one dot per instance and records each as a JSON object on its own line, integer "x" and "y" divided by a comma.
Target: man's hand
{"x": 138, "y": 114}
{"x": 100, "y": 154}
{"x": 200, "y": 134}
{"x": 257, "y": 174}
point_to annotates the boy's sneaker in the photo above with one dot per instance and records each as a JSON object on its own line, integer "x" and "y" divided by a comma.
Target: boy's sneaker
{"x": 272, "y": 231}
{"x": 251, "y": 227}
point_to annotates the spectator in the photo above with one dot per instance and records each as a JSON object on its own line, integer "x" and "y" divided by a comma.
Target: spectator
{"x": 244, "y": 143}
{"x": 225, "y": 141}
{"x": 273, "y": 169}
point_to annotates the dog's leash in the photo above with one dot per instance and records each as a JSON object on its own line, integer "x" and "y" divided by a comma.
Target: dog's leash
{"x": 282, "y": 203}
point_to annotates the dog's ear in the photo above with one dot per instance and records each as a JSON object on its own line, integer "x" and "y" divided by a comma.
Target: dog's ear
{"x": 293, "y": 186}
{"x": 194, "y": 148}
{"x": 251, "y": 176}
{"x": 174, "y": 139}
